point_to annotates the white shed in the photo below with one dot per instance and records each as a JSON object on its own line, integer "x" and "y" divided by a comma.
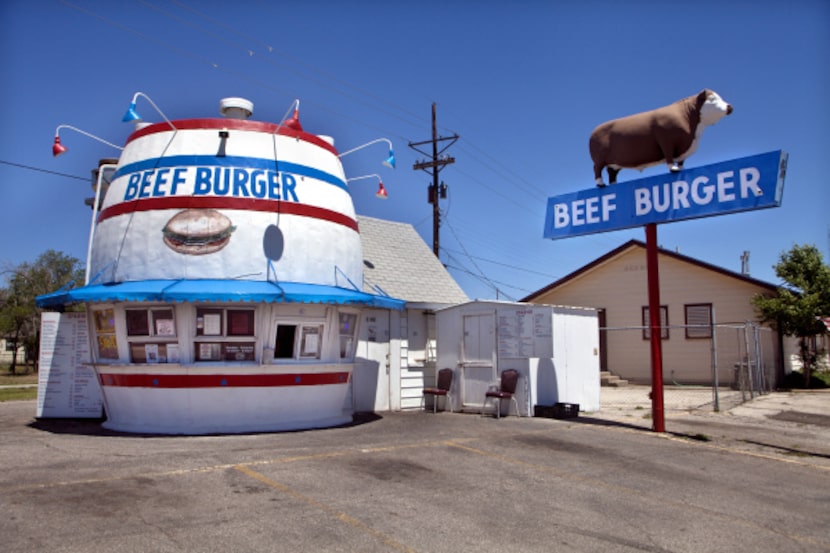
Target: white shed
{"x": 554, "y": 348}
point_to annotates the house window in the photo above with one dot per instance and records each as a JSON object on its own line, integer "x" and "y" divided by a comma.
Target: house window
{"x": 225, "y": 334}
{"x": 664, "y": 323}
{"x": 298, "y": 341}
{"x": 105, "y": 333}
{"x": 152, "y": 335}
{"x": 698, "y": 320}
{"x": 348, "y": 327}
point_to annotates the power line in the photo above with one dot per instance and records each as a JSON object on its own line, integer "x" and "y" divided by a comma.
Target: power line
{"x": 505, "y": 173}
{"x": 328, "y": 77}
{"x": 506, "y": 265}
{"x": 29, "y": 167}
{"x": 491, "y": 283}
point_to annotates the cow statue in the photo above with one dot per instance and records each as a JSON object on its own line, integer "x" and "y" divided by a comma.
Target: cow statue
{"x": 669, "y": 134}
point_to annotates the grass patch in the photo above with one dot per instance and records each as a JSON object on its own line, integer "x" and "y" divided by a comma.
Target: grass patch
{"x": 819, "y": 380}
{"x": 23, "y": 375}
{"x": 17, "y": 394}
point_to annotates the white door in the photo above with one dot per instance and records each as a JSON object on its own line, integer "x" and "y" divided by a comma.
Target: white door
{"x": 478, "y": 358}
{"x": 370, "y": 379}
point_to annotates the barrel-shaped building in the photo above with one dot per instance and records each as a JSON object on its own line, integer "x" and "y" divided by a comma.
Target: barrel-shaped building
{"x": 225, "y": 279}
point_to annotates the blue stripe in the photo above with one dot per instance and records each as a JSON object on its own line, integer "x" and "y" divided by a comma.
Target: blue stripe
{"x": 230, "y": 161}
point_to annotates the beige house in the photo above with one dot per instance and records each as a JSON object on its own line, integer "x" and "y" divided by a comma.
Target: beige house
{"x": 7, "y": 351}
{"x": 693, "y": 294}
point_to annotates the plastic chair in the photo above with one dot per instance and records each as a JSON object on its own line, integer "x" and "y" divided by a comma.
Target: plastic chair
{"x": 507, "y": 390}
{"x": 443, "y": 385}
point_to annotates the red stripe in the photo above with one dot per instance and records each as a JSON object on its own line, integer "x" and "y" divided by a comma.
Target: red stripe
{"x": 231, "y": 124}
{"x": 222, "y": 380}
{"x": 222, "y": 202}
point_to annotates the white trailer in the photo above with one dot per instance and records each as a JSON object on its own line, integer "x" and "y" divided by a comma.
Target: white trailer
{"x": 554, "y": 348}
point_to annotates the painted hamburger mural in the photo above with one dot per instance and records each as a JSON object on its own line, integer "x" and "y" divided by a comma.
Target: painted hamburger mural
{"x": 225, "y": 279}
{"x": 197, "y": 231}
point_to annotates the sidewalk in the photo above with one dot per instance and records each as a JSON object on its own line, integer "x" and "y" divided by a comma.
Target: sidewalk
{"x": 789, "y": 424}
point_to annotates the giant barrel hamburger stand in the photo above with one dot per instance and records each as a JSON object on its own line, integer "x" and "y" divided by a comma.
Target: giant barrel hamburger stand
{"x": 225, "y": 278}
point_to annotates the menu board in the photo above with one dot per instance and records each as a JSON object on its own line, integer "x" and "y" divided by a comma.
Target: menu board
{"x": 67, "y": 384}
{"x": 525, "y": 332}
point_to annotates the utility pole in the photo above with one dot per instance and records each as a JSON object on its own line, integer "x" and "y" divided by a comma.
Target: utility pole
{"x": 433, "y": 167}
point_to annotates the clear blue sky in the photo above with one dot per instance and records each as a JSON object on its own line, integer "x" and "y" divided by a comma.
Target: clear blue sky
{"x": 523, "y": 83}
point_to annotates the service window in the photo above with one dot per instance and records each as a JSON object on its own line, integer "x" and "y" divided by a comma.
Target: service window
{"x": 284, "y": 346}
{"x": 225, "y": 334}
{"x": 151, "y": 322}
{"x": 152, "y": 335}
{"x": 348, "y": 328}
{"x": 298, "y": 341}
{"x": 105, "y": 333}
{"x": 311, "y": 341}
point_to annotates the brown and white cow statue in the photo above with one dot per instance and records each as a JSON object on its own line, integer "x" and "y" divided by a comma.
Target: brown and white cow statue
{"x": 669, "y": 134}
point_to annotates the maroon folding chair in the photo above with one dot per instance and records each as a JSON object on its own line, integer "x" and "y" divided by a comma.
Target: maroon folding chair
{"x": 507, "y": 390}
{"x": 443, "y": 385}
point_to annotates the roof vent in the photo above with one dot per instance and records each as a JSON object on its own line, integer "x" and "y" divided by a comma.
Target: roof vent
{"x": 236, "y": 108}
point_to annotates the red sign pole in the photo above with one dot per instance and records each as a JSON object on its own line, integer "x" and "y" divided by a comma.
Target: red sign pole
{"x": 656, "y": 330}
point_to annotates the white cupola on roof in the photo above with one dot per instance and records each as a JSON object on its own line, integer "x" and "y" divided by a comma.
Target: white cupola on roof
{"x": 236, "y": 108}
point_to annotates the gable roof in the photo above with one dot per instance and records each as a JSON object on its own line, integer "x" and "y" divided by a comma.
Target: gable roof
{"x": 399, "y": 263}
{"x": 639, "y": 244}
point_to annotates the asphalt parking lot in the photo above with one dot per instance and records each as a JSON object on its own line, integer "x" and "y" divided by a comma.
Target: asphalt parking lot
{"x": 756, "y": 478}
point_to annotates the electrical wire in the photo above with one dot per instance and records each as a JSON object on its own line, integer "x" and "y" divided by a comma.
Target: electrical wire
{"x": 505, "y": 265}
{"x": 326, "y": 75}
{"x": 31, "y": 168}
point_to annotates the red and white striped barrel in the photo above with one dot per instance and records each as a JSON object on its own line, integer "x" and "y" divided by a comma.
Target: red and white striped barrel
{"x": 223, "y": 198}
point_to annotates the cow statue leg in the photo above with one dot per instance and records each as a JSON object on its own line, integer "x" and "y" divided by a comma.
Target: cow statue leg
{"x": 598, "y": 175}
{"x": 668, "y": 156}
{"x": 612, "y": 175}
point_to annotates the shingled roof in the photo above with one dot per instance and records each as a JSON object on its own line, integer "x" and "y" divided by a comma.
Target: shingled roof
{"x": 399, "y": 263}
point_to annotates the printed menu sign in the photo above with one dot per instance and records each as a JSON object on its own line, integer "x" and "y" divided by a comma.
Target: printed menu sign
{"x": 525, "y": 332}
{"x": 67, "y": 385}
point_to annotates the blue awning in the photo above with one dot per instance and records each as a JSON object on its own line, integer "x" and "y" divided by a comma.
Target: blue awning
{"x": 208, "y": 290}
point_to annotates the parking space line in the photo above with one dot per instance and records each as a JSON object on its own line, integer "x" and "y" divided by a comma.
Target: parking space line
{"x": 215, "y": 468}
{"x": 340, "y": 515}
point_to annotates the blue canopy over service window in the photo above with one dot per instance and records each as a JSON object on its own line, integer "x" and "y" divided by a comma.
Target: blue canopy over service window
{"x": 209, "y": 290}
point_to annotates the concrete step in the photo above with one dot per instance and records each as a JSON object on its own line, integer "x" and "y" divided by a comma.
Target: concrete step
{"x": 611, "y": 380}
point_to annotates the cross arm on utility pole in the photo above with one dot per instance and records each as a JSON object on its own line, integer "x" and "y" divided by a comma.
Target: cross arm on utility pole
{"x": 433, "y": 165}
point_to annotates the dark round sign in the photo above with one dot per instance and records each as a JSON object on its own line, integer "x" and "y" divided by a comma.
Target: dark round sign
{"x": 273, "y": 243}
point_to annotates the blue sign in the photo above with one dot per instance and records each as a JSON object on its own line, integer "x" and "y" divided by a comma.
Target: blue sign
{"x": 749, "y": 183}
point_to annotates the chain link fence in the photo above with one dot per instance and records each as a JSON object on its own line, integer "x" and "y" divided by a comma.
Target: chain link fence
{"x": 705, "y": 367}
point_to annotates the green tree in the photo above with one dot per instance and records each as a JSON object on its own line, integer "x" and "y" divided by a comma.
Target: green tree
{"x": 796, "y": 311}
{"x": 19, "y": 316}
